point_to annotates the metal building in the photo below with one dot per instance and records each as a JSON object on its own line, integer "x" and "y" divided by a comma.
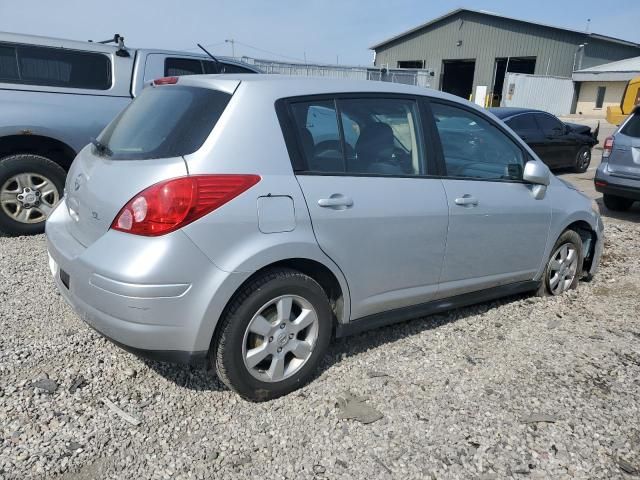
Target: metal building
{"x": 468, "y": 48}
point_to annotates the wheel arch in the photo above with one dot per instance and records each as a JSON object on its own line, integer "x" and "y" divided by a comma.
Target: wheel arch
{"x": 51, "y": 148}
{"x": 589, "y": 239}
{"x": 335, "y": 287}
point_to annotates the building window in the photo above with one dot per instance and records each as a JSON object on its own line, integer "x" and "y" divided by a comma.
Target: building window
{"x": 600, "y": 96}
{"x": 411, "y": 64}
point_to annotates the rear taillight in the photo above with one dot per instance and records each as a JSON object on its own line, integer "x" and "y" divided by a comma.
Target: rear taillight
{"x": 166, "y": 81}
{"x": 607, "y": 147}
{"x": 172, "y": 204}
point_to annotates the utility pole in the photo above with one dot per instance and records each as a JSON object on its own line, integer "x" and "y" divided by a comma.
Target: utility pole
{"x": 233, "y": 46}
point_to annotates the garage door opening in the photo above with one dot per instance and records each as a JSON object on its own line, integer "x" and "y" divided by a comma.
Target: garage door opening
{"x": 457, "y": 77}
{"x": 512, "y": 65}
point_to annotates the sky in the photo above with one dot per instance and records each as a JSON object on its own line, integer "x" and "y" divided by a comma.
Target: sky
{"x": 324, "y": 31}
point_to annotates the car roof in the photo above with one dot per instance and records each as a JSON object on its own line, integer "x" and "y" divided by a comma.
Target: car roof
{"x": 505, "y": 112}
{"x": 283, "y": 86}
{"x": 110, "y": 48}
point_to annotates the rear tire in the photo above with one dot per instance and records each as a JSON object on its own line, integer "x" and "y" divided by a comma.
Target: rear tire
{"x": 617, "y": 204}
{"x": 563, "y": 271}
{"x": 261, "y": 348}
{"x": 583, "y": 159}
{"x": 30, "y": 186}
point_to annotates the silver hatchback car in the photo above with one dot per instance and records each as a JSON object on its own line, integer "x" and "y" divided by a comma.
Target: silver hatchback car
{"x": 249, "y": 219}
{"x": 618, "y": 176}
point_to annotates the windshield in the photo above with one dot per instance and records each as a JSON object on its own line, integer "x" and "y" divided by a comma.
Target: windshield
{"x": 162, "y": 122}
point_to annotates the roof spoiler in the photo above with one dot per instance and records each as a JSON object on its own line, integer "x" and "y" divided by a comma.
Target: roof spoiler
{"x": 119, "y": 41}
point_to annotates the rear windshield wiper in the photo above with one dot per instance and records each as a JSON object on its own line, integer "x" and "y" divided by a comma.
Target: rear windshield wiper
{"x": 101, "y": 147}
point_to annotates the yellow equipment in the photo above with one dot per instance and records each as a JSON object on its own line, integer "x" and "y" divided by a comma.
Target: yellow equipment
{"x": 631, "y": 98}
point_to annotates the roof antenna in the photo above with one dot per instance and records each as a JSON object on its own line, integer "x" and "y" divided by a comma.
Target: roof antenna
{"x": 211, "y": 56}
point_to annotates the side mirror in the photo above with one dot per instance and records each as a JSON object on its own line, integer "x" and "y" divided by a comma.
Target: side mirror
{"x": 536, "y": 172}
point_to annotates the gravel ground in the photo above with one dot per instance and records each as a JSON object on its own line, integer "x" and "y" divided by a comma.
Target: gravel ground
{"x": 521, "y": 388}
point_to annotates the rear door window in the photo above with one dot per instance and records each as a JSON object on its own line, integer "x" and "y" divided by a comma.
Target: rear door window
{"x": 377, "y": 136}
{"x": 176, "y": 67}
{"x": 632, "y": 127}
{"x": 165, "y": 121}
{"x": 48, "y": 66}
{"x": 319, "y": 136}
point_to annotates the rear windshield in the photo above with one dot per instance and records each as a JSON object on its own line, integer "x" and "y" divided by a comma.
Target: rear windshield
{"x": 162, "y": 122}
{"x": 632, "y": 127}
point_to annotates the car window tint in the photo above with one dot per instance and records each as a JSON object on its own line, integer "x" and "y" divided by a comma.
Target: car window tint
{"x": 175, "y": 67}
{"x": 632, "y": 127}
{"x": 382, "y": 136}
{"x": 47, "y": 66}
{"x": 319, "y": 136}
{"x": 549, "y": 124}
{"x": 8, "y": 64}
{"x": 522, "y": 122}
{"x": 475, "y": 148}
{"x": 231, "y": 68}
{"x": 164, "y": 122}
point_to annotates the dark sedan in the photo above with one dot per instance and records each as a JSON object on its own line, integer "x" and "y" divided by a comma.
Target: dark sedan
{"x": 558, "y": 144}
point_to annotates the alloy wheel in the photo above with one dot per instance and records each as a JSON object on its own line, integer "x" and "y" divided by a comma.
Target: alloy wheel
{"x": 280, "y": 338}
{"x": 563, "y": 267}
{"x": 28, "y": 197}
{"x": 584, "y": 159}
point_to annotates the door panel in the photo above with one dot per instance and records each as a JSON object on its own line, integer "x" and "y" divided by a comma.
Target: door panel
{"x": 497, "y": 230}
{"x": 527, "y": 128}
{"x": 558, "y": 147}
{"x": 500, "y": 239}
{"x": 374, "y": 212}
{"x": 386, "y": 234}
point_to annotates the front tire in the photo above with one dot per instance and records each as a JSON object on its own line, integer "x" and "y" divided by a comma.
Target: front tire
{"x": 564, "y": 266}
{"x": 272, "y": 335}
{"x": 30, "y": 187}
{"x": 583, "y": 159}
{"x": 617, "y": 204}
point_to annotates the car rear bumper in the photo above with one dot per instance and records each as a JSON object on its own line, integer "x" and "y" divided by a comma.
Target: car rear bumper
{"x": 619, "y": 186}
{"x": 158, "y": 297}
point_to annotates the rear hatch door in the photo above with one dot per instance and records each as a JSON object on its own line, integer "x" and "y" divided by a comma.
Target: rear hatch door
{"x": 144, "y": 145}
{"x": 625, "y": 155}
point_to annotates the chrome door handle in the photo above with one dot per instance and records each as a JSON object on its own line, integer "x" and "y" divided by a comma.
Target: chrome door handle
{"x": 466, "y": 201}
{"x": 336, "y": 201}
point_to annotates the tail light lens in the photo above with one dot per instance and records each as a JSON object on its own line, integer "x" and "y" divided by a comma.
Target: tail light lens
{"x": 172, "y": 204}
{"x": 607, "y": 147}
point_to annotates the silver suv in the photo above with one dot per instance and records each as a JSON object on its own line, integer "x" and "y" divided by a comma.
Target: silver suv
{"x": 618, "y": 176}
{"x": 55, "y": 95}
{"x": 248, "y": 219}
